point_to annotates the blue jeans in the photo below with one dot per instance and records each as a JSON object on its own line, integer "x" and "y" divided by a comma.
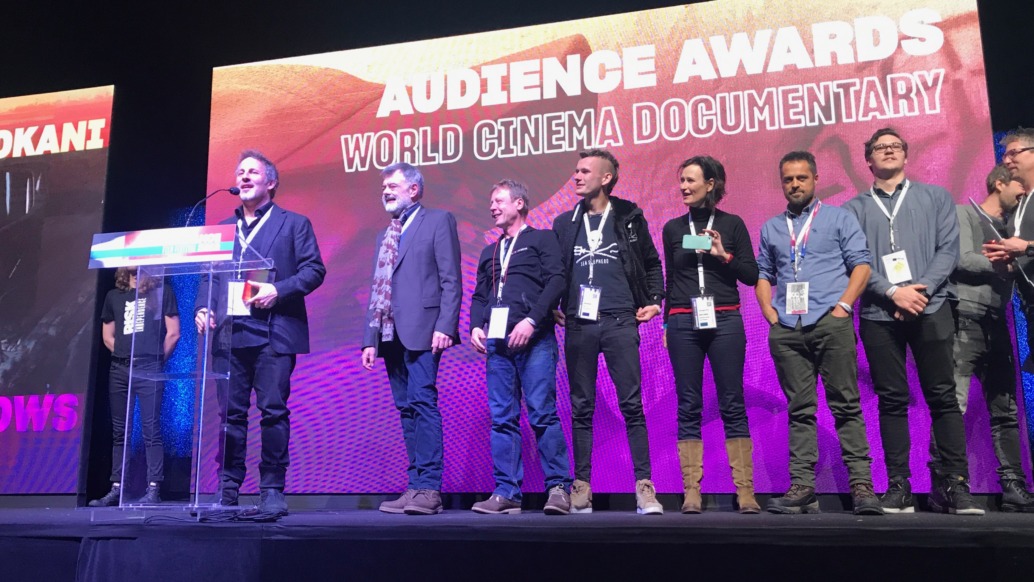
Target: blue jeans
{"x": 412, "y": 375}
{"x": 533, "y": 372}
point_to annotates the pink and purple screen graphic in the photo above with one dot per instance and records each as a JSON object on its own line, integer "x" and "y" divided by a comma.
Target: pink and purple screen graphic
{"x": 741, "y": 81}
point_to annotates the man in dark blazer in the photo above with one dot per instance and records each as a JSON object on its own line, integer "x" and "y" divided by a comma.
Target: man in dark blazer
{"x": 413, "y": 318}
{"x": 267, "y": 330}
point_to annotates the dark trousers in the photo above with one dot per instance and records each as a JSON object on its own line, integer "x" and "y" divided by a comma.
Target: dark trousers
{"x": 531, "y": 372}
{"x": 827, "y": 349}
{"x": 617, "y": 337}
{"x": 412, "y": 376}
{"x": 269, "y": 374}
{"x": 149, "y": 394}
{"x": 931, "y": 338}
{"x": 726, "y": 348}
{"x": 983, "y": 348}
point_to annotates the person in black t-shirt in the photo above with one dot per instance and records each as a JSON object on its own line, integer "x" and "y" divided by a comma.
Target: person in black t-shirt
{"x": 143, "y": 323}
{"x": 706, "y": 252}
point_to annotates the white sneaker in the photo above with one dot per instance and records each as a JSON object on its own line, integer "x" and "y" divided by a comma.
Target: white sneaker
{"x": 646, "y": 498}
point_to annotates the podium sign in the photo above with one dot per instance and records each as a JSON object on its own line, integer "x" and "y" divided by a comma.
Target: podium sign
{"x": 163, "y": 246}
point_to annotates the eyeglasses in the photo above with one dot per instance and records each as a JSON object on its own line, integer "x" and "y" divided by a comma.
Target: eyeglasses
{"x": 894, "y": 147}
{"x": 1016, "y": 152}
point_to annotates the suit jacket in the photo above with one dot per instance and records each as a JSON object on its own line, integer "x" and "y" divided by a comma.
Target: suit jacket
{"x": 288, "y": 239}
{"x": 427, "y": 286}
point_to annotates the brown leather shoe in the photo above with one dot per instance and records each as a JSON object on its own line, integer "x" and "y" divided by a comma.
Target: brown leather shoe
{"x": 424, "y": 502}
{"x": 497, "y": 504}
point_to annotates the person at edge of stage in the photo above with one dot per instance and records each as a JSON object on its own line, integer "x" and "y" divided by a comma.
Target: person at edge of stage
{"x": 269, "y": 327}
{"x": 815, "y": 257}
{"x": 707, "y": 252}
{"x": 131, "y": 318}
{"x": 412, "y": 319}
{"x": 615, "y": 282}
{"x": 520, "y": 278}
{"x": 912, "y": 232}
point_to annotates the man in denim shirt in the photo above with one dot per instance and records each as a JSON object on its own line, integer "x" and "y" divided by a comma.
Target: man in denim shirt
{"x": 913, "y": 235}
{"x": 816, "y": 258}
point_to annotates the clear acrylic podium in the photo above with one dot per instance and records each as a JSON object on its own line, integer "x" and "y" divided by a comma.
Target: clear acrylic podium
{"x": 200, "y": 392}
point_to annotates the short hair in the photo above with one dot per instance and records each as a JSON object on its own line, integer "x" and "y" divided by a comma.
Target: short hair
{"x": 712, "y": 169}
{"x": 880, "y": 133}
{"x": 1024, "y": 134}
{"x": 518, "y": 191}
{"x": 997, "y": 174}
{"x": 598, "y": 153}
{"x": 410, "y": 173}
{"x": 272, "y": 175}
{"x": 799, "y": 156}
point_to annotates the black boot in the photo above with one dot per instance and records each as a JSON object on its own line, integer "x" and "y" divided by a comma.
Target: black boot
{"x": 151, "y": 496}
{"x": 1015, "y": 497}
{"x": 110, "y": 498}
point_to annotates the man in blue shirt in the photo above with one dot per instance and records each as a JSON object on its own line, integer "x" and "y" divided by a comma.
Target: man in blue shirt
{"x": 816, "y": 258}
{"x": 913, "y": 234}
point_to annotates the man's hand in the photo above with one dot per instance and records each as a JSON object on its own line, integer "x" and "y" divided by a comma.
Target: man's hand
{"x": 440, "y": 342}
{"x": 770, "y": 314}
{"x": 520, "y": 335}
{"x": 477, "y": 339}
{"x": 902, "y": 316}
{"x": 909, "y": 300}
{"x": 266, "y": 296}
{"x": 1005, "y": 250}
{"x": 559, "y": 317}
{"x": 369, "y": 356}
{"x": 840, "y": 312}
{"x": 203, "y": 318}
{"x": 647, "y": 313}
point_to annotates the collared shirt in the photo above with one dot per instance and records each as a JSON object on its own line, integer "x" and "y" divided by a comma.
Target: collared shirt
{"x": 404, "y": 217}
{"x": 253, "y": 330}
{"x": 926, "y": 228}
{"x": 259, "y": 213}
{"x": 836, "y": 245}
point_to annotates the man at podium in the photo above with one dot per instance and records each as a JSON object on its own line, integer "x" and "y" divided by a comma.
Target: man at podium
{"x": 269, "y": 327}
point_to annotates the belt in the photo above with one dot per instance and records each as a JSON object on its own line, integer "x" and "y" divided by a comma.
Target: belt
{"x": 119, "y": 361}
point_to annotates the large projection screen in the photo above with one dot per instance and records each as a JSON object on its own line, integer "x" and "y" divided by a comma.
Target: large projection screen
{"x": 742, "y": 81}
{"x": 53, "y": 164}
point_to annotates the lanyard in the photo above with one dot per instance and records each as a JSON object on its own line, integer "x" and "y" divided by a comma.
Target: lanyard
{"x": 594, "y": 237}
{"x": 504, "y": 262}
{"x": 700, "y": 260}
{"x": 799, "y": 247}
{"x": 891, "y": 215}
{"x": 246, "y": 242}
{"x": 1019, "y": 214}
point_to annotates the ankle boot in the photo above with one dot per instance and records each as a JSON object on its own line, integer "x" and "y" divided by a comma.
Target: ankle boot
{"x": 691, "y": 459}
{"x": 741, "y": 461}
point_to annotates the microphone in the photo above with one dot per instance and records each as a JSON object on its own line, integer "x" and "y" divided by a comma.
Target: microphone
{"x": 232, "y": 190}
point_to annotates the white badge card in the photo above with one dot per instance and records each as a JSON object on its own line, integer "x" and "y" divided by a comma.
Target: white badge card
{"x": 589, "y": 302}
{"x": 896, "y": 266}
{"x": 797, "y": 298}
{"x": 235, "y": 299}
{"x": 703, "y": 312}
{"x": 497, "y": 322}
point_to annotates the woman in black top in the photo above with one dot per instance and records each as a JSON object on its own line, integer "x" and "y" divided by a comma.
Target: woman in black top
{"x": 143, "y": 324}
{"x": 702, "y": 320}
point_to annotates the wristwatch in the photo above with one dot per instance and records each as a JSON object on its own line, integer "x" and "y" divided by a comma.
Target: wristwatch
{"x": 1029, "y": 251}
{"x": 845, "y": 307}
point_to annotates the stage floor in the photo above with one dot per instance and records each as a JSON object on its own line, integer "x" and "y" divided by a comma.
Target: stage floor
{"x": 364, "y": 544}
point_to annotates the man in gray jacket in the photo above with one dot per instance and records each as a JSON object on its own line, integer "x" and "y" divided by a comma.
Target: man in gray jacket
{"x": 983, "y": 344}
{"x": 913, "y": 235}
